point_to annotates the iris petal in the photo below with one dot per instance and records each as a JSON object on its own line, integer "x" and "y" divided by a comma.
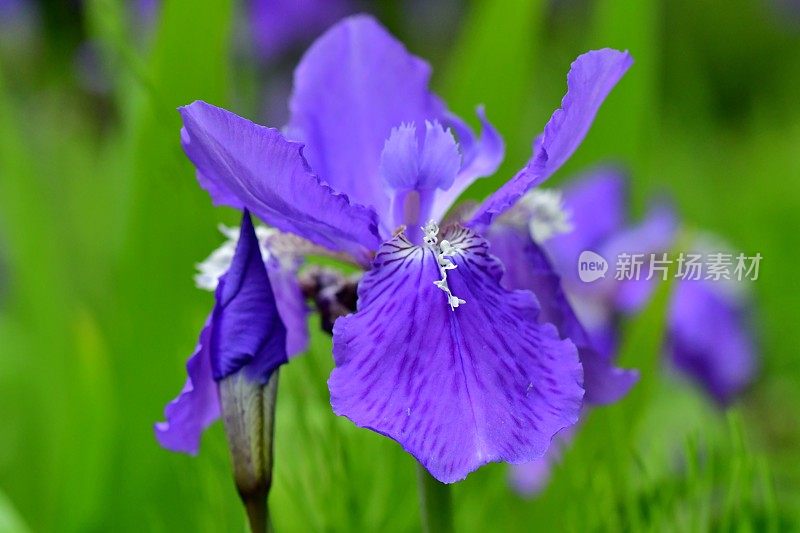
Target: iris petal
{"x": 400, "y": 158}
{"x": 256, "y": 167}
{"x": 453, "y": 387}
{"x": 353, "y": 86}
{"x": 528, "y": 267}
{"x": 440, "y": 159}
{"x": 709, "y": 339}
{"x": 654, "y": 235}
{"x": 597, "y": 204}
{"x": 197, "y": 405}
{"x": 291, "y": 305}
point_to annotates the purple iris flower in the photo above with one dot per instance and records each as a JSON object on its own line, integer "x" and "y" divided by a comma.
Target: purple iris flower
{"x": 439, "y": 355}
{"x": 708, "y": 338}
{"x": 243, "y": 338}
{"x": 707, "y": 335}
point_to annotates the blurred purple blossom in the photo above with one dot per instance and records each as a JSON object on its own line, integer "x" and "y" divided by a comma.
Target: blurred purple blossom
{"x": 707, "y": 336}
{"x": 708, "y": 330}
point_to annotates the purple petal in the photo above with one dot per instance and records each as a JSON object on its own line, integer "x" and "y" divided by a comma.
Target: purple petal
{"x": 268, "y": 174}
{"x": 709, "y": 339}
{"x": 405, "y": 167}
{"x": 452, "y": 386}
{"x": 291, "y": 304}
{"x": 246, "y": 329}
{"x": 590, "y": 79}
{"x": 440, "y": 159}
{"x": 400, "y": 158}
{"x": 604, "y": 382}
{"x": 480, "y": 158}
{"x": 527, "y": 267}
{"x": 353, "y": 86}
{"x": 196, "y": 407}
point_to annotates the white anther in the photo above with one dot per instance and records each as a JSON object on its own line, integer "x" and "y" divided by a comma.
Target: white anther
{"x": 442, "y": 251}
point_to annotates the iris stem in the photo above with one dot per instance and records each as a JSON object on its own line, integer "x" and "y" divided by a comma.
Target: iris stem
{"x": 435, "y": 505}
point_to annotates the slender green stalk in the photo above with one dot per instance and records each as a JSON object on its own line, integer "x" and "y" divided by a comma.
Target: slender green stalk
{"x": 435, "y": 505}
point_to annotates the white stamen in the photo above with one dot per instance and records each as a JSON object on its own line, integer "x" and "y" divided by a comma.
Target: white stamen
{"x": 444, "y": 251}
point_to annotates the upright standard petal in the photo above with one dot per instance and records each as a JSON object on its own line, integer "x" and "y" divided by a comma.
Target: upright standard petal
{"x": 440, "y": 159}
{"x": 452, "y": 386}
{"x": 589, "y": 81}
{"x": 400, "y": 158}
{"x": 243, "y": 333}
{"x": 528, "y": 268}
{"x": 268, "y": 175}
{"x": 353, "y": 86}
{"x": 709, "y": 339}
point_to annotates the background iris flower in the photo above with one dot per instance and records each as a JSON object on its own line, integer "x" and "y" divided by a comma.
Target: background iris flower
{"x": 708, "y": 330}
{"x": 708, "y": 335}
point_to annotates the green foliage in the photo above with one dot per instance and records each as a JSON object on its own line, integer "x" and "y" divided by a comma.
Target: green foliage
{"x": 101, "y": 222}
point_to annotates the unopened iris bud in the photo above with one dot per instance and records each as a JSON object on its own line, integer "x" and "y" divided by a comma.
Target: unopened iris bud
{"x": 233, "y": 374}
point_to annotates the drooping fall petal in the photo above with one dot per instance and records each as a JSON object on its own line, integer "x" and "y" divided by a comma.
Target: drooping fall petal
{"x": 453, "y": 387}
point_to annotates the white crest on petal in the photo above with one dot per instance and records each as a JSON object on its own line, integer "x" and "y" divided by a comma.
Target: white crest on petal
{"x": 444, "y": 251}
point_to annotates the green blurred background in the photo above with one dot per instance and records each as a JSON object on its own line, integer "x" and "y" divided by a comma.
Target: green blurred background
{"x": 101, "y": 223}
